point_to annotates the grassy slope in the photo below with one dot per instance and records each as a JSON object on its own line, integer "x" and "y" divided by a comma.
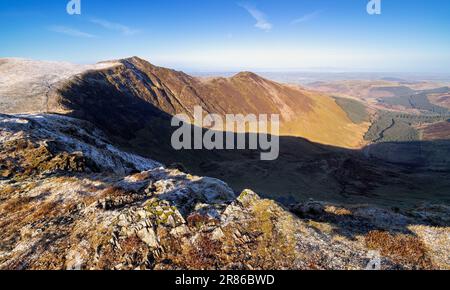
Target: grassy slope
{"x": 327, "y": 124}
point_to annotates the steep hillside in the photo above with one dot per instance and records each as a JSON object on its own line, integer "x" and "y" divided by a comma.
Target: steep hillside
{"x": 71, "y": 200}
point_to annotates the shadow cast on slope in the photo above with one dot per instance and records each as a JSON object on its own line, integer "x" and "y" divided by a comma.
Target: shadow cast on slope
{"x": 303, "y": 170}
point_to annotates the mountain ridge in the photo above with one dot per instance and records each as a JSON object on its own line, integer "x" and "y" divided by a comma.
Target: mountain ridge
{"x": 303, "y": 113}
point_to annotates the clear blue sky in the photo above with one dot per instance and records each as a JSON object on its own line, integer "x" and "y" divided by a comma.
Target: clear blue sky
{"x": 409, "y": 35}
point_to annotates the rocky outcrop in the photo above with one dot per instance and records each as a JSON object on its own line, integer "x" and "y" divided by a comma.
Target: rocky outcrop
{"x": 40, "y": 144}
{"x": 70, "y": 200}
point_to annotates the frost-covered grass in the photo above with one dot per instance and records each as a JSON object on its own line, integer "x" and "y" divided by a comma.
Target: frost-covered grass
{"x": 74, "y": 135}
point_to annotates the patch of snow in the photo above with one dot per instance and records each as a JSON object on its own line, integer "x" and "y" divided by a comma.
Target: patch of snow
{"x": 26, "y": 84}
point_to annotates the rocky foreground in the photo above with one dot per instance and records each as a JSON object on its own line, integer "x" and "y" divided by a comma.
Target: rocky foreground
{"x": 71, "y": 200}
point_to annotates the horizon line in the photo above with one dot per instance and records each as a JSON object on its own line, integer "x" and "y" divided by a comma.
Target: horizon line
{"x": 200, "y": 69}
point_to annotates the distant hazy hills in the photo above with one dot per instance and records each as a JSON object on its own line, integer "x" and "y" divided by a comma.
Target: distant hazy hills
{"x": 404, "y": 111}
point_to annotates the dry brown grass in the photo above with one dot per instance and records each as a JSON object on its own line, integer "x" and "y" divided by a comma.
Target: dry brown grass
{"x": 49, "y": 210}
{"x": 113, "y": 191}
{"x": 133, "y": 253}
{"x": 7, "y": 190}
{"x": 110, "y": 192}
{"x": 141, "y": 176}
{"x": 323, "y": 227}
{"x": 401, "y": 248}
{"x": 197, "y": 220}
{"x": 21, "y": 159}
{"x": 17, "y": 204}
{"x": 200, "y": 253}
{"x": 205, "y": 254}
{"x": 337, "y": 211}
